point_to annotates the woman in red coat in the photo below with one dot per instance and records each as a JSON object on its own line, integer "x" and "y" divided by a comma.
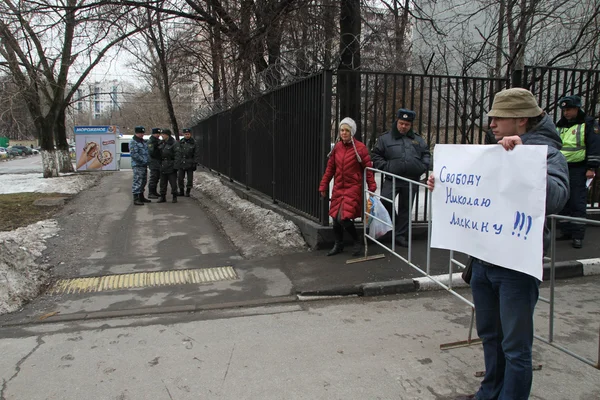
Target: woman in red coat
{"x": 347, "y": 163}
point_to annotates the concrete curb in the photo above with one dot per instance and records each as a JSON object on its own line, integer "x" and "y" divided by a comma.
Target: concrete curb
{"x": 564, "y": 270}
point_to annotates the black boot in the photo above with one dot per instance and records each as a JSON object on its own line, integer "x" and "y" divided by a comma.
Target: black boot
{"x": 143, "y": 199}
{"x": 180, "y": 193}
{"x": 136, "y": 200}
{"x": 338, "y": 232}
{"x": 357, "y": 245}
{"x": 357, "y": 248}
{"x": 187, "y": 192}
{"x": 153, "y": 195}
{"x": 338, "y": 247}
{"x": 162, "y": 199}
{"x": 174, "y": 199}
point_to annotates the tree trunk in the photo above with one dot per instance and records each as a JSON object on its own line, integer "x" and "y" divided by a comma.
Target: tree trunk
{"x": 500, "y": 44}
{"x": 65, "y": 165}
{"x": 49, "y": 164}
{"x": 216, "y": 50}
{"x": 329, "y": 17}
{"x": 401, "y": 15}
{"x": 246, "y": 49}
{"x": 349, "y": 82}
{"x": 273, "y": 78}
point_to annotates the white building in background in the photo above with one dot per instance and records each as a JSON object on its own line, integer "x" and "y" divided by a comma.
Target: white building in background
{"x": 99, "y": 98}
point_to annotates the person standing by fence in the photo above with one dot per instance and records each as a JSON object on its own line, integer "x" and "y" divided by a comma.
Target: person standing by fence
{"x": 346, "y": 164}
{"x": 581, "y": 148}
{"x": 402, "y": 152}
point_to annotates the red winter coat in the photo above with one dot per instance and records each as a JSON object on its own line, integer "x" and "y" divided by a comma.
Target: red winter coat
{"x": 343, "y": 166}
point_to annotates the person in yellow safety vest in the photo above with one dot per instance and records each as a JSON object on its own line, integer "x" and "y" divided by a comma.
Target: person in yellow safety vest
{"x": 581, "y": 148}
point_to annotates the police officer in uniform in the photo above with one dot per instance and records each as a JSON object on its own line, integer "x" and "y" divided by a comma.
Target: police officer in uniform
{"x": 154, "y": 164}
{"x": 170, "y": 155}
{"x": 402, "y": 152}
{"x": 190, "y": 154}
{"x": 139, "y": 164}
{"x": 581, "y": 148}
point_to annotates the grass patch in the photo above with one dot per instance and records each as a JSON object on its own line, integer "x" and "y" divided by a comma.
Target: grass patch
{"x": 17, "y": 209}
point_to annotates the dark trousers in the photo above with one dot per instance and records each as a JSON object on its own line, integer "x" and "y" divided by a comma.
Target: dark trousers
{"x": 168, "y": 179}
{"x": 504, "y": 303}
{"x": 338, "y": 230}
{"x": 576, "y": 205}
{"x": 401, "y": 219}
{"x": 190, "y": 178}
{"x": 153, "y": 180}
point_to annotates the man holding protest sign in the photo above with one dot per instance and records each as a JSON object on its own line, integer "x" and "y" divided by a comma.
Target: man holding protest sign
{"x": 504, "y": 296}
{"x": 402, "y": 152}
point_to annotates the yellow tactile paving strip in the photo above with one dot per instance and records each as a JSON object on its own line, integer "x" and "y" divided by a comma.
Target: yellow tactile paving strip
{"x": 143, "y": 280}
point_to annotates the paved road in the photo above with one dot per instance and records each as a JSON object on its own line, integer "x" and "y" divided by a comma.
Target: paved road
{"x": 103, "y": 233}
{"x": 386, "y": 348}
{"x": 21, "y": 165}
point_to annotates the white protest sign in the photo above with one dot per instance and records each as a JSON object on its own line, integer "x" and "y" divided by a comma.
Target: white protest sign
{"x": 490, "y": 203}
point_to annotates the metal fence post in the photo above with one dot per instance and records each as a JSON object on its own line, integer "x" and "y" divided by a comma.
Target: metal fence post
{"x": 274, "y": 133}
{"x": 326, "y": 94}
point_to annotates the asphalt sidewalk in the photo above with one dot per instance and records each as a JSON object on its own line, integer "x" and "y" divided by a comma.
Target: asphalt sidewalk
{"x": 103, "y": 234}
{"x": 316, "y": 274}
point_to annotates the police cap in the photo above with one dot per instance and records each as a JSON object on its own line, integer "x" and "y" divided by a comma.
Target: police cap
{"x": 569, "y": 102}
{"x": 406, "y": 115}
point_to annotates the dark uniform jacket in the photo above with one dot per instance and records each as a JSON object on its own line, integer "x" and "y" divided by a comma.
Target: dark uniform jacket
{"x": 404, "y": 155}
{"x": 170, "y": 155}
{"x": 190, "y": 152}
{"x": 154, "y": 153}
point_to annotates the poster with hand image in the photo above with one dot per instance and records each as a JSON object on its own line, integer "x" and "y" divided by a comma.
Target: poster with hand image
{"x": 96, "y": 147}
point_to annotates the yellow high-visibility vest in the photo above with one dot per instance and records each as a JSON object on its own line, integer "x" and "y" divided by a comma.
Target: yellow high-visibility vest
{"x": 573, "y": 140}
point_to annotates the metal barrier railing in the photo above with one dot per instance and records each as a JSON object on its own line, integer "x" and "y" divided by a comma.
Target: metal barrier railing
{"x": 452, "y": 261}
{"x": 550, "y": 301}
{"x": 392, "y": 249}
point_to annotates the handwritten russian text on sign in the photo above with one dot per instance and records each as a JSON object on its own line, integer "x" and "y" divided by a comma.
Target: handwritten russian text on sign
{"x": 490, "y": 203}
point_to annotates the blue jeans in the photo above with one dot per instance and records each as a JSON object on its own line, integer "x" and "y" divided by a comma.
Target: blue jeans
{"x": 504, "y": 303}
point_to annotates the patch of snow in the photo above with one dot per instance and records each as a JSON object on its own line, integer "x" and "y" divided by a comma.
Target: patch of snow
{"x": 267, "y": 227}
{"x": 67, "y": 183}
{"x": 21, "y": 277}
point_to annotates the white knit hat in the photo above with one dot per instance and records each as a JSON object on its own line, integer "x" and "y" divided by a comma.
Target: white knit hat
{"x": 350, "y": 122}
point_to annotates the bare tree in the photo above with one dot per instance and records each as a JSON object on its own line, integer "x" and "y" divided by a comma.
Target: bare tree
{"x": 499, "y": 38}
{"x": 40, "y": 42}
{"x": 15, "y": 122}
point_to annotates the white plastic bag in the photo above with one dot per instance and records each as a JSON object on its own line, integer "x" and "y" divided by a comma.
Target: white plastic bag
{"x": 377, "y": 228}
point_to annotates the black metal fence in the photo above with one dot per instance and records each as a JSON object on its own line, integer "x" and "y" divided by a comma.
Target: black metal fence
{"x": 277, "y": 144}
{"x": 450, "y": 109}
{"x": 549, "y": 84}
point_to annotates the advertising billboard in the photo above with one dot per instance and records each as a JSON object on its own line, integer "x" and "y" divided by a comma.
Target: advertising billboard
{"x": 96, "y": 147}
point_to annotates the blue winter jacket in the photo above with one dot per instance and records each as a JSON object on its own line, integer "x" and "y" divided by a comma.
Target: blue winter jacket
{"x": 139, "y": 152}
